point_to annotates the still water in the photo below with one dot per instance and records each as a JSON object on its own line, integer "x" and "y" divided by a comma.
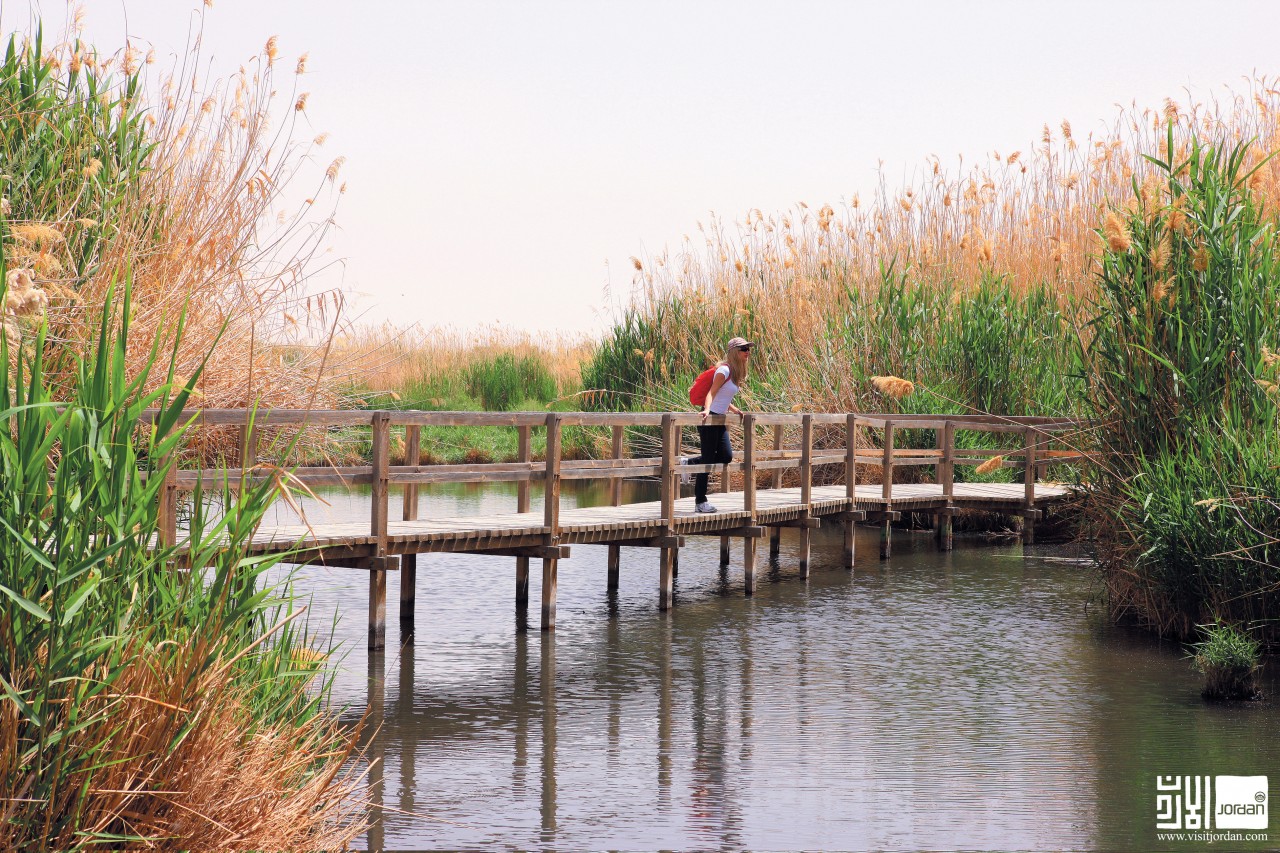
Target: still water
{"x": 973, "y": 700}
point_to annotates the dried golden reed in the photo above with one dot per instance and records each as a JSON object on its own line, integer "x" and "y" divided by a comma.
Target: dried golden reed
{"x": 893, "y": 386}
{"x": 990, "y": 465}
{"x": 199, "y": 233}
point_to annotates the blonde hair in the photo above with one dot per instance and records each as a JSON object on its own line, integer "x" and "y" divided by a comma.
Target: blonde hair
{"x": 738, "y": 368}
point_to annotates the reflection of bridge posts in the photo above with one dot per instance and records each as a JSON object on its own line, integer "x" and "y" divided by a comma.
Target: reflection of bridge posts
{"x": 547, "y": 685}
{"x": 404, "y": 701}
{"x": 376, "y": 748}
{"x": 613, "y": 644}
{"x": 520, "y": 702}
{"x": 664, "y": 715}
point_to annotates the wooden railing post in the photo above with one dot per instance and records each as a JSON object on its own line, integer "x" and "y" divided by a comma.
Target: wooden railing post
{"x": 775, "y": 533}
{"x": 850, "y": 484}
{"x": 381, "y": 446}
{"x": 524, "y": 450}
{"x": 806, "y": 489}
{"x": 749, "y": 500}
{"x": 167, "y": 516}
{"x": 1042, "y": 461}
{"x": 551, "y": 519}
{"x": 409, "y": 512}
{"x": 886, "y": 492}
{"x": 947, "y": 476}
{"x": 670, "y": 439}
{"x": 615, "y": 499}
{"x": 1031, "y": 438}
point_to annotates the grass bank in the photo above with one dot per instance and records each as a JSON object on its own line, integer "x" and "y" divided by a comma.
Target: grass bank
{"x": 491, "y": 369}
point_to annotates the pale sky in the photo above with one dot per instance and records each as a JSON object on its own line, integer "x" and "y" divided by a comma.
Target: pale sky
{"x": 505, "y": 159}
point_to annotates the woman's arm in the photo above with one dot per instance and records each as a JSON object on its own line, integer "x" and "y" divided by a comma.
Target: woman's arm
{"x": 717, "y": 382}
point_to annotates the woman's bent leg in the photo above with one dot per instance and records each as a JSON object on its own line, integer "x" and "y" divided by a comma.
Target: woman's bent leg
{"x": 712, "y": 439}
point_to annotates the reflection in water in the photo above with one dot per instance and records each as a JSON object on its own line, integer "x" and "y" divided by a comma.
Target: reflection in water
{"x": 376, "y": 748}
{"x": 939, "y": 701}
{"x": 547, "y": 688}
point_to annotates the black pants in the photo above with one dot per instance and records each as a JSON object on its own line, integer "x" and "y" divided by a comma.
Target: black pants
{"x": 715, "y": 451}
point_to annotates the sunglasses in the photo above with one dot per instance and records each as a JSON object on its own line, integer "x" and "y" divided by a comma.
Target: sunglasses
{"x": 743, "y": 349}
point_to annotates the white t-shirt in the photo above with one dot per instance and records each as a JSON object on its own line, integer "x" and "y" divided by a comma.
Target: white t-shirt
{"x": 720, "y": 403}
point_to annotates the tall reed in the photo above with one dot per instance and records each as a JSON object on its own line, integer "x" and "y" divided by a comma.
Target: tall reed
{"x": 1181, "y": 371}
{"x": 150, "y": 697}
{"x": 800, "y": 282}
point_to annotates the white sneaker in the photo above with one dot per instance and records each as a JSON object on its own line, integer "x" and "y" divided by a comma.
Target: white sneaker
{"x": 706, "y": 507}
{"x": 685, "y": 476}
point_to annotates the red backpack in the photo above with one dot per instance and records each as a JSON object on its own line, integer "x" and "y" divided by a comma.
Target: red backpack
{"x": 702, "y": 386}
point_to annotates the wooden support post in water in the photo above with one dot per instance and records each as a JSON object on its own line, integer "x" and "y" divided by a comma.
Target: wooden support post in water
{"x": 409, "y": 562}
{"x": 666, "y": 588}
{"x": 615, "y": 499}
{"x": 1029, "y": 487}
{"x": 850, "y": 483}
{"x": 806, "y": 488}
{"x": 378, "y": 513}
{"x": 377, "y": 608}
{"x": 551, "y": 519}
{"x": 749, "y": 501}
{"x": 615, "y": 566}
{"x": 524, "y": 449}
{"x": 886, "y": 492}
{"x": 775, "y": 534}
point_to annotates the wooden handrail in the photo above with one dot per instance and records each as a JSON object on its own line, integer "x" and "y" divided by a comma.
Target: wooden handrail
{"x": 405, "y": 417}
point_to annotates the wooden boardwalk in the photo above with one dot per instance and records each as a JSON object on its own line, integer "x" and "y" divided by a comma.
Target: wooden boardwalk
{"x": 640, "y": 521}
{"x": 849, "y": 448}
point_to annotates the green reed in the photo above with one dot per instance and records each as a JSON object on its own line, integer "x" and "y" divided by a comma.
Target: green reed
{"x": 1228, "y": 659}
{"x": 1178, "y": 367}
{"x": 127, "y": 669}
{"x": 72, "y": 146}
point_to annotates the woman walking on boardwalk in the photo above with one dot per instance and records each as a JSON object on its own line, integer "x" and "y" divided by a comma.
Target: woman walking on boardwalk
{"x": 727, "y": 379}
